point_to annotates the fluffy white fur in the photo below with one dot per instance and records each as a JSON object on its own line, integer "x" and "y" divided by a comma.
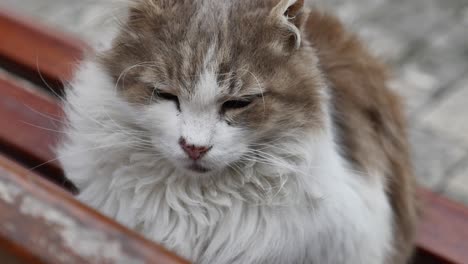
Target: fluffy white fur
{"x": 301, "y": 205}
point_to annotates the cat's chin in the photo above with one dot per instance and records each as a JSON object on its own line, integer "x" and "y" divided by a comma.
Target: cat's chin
{"x": 196, "y": 169}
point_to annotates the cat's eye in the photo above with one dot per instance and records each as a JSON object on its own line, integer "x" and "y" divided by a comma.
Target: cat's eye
{"x": 169, "y": 97}
{"x": 236, "y": 104}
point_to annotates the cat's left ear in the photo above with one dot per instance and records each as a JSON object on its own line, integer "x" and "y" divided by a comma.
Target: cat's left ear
{"x": 291, "y": 16}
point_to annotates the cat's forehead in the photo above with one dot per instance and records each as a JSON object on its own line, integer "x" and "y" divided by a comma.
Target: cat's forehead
{"x": 191, "y": 29}
{"x": 182, "y": 44}
{"x": 216, "y": 40}
{"x": 205, "y": 77}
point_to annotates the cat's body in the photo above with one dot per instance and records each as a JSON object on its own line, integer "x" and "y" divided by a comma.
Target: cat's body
{"x": 314, "y": 170}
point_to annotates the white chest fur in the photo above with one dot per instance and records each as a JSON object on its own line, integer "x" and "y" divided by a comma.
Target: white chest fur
{"x": 347, "y": 221}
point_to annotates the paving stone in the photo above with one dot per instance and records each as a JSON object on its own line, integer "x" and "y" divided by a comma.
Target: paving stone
{"x": 434, "y": 67}
{"x": 449, "y": 117}
{"x": 358, "y": 16}
{"x": 394, "y": 26}
{"x": 457, "y": 188}
{"x": 349, "y": 11}
{"x": 433, "y": 156}
{"x": 93, "y": 21}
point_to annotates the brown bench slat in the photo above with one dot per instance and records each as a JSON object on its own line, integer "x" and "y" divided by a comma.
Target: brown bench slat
{"x": 444, "y": 229}
{"x": 42, "y": 222}
{"x": 28, "y": 49}
{"x": 29, "y": 125}
{"x": 27, "y": 121}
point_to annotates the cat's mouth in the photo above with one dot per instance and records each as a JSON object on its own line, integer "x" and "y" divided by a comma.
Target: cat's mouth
{"x": 198, "y": 168}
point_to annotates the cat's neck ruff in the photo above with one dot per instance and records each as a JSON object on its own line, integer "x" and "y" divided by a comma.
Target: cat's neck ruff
{"x": 297, "y": 172}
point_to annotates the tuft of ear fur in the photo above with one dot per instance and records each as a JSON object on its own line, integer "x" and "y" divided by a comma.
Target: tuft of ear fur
{"x": 141, "y": 8}
{"x": 291, "y": 16}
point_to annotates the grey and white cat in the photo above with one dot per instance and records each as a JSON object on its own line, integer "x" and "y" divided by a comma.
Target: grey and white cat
{"x": 243, "y": 131}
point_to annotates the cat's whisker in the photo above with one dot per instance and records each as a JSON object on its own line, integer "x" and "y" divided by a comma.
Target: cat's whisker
{"x": 280, "y": 151}
{"x": 272, "y": 161}
{"x": 51, "y": 117}
{"x": 143, "y": 143}
{"x": 235, "y": 168}
{"x": 78, "y": 152}
{"x": 116, "y": 128}
{"x": 48, "y": 86}
{"x": 260, "y": 88}
{"x": 126, "y": 70}
{"x": 43, "y": 128}
{"x": 266, "y": 154}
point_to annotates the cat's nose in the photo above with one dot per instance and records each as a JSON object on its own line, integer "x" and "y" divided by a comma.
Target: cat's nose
{"x": 194, "y": 152}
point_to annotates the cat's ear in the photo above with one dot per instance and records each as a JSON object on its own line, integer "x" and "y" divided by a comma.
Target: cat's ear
{"x": 291, "y": 17}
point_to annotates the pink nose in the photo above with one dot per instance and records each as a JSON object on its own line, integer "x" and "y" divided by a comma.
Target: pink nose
{"x": 194, "y": 152}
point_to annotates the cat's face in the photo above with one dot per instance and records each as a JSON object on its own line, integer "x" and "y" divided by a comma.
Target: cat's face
{"x": 217, "y": 83}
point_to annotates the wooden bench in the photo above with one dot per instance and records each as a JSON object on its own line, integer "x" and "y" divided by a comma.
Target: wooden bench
{"x": 42, "y": 223}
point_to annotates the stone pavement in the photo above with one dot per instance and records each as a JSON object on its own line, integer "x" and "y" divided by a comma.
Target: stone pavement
{"x": 425, "y": 41}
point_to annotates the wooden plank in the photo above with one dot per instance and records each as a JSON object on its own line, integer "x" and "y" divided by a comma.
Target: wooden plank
{"x": 44, "y": 224}
{"x": 36, "y": 53}
{"x": 29, "y": 121}
{"x": 30, "y": 126}
{"x": 443, "y": 231}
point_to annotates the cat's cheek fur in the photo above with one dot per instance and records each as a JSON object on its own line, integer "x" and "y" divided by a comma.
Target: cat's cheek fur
{"x": 161, "y": 121}
{"x": 166, "y": 125}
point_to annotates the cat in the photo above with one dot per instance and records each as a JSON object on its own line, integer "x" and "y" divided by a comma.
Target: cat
{"x": 246, "y": 131}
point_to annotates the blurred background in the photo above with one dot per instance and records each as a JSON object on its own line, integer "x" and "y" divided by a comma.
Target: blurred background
{"x": 424, "y": 41}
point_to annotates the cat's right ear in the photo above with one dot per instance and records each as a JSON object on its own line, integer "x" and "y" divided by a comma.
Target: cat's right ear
{"x": 289, "y": 16}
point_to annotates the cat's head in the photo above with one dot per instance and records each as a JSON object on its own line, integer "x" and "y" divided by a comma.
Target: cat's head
{"x": 217, "y": 83}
